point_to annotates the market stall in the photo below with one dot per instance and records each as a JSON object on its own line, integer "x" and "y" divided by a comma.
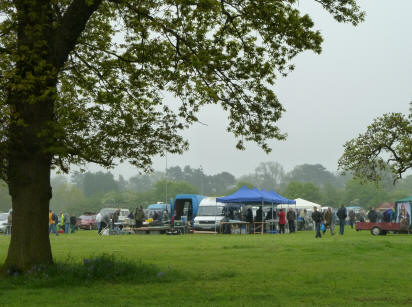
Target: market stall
{"x": 255, "y": 196}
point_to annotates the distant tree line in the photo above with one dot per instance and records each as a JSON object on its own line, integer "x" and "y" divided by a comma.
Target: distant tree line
{"x": 90, "y": 191}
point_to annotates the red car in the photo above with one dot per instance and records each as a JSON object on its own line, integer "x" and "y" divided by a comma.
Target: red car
{"x": 87, "y": 222}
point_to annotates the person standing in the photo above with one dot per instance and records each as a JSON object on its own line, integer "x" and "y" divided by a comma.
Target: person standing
{"x": 303, "y": 214}
{"x": 61, "y": 224}
{"x": 372, "y": 215}
{"x": 66, "y": 223}
{"x": 291, "y": 216}
{"x": 342, "y": 218}
{"x": 361, "y": 215}
{"x": 352, "y": 218}
{"x": 53, "y": 220}
{"x": 300, "y": 220}
{"x": 99, "y": 222}
{"x": 50, "y": 221}
{"x": 115, "y": 218}
{"x": 269, "y": 215}
{"x": 329, "y": 223}
{"x": 249, "y": 218}
{"x": 73, "y": 223}
{"x": 258, "y": 220}
{"x": 390, "y": 215}
{"x": 139, "y": 216}
{"x": 282, "y": 221}
{"x": 317, "y": 218}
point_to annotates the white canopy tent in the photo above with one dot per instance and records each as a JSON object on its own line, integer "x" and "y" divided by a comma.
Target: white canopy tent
{"x": 300, "y": 205}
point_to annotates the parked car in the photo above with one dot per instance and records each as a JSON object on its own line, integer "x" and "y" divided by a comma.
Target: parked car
{"x": 87, "y": 222}
{"x": 3, "y": 222}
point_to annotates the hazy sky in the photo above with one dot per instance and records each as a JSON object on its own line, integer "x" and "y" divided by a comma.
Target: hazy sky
{"x": 362, "y": 72}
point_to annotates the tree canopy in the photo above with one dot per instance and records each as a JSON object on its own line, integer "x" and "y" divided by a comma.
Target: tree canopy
{"x": 386, "y": 144}
{"x": 111, "y": 61}
{"x": 305, "y": 190}
{"x": 315, "y": 173}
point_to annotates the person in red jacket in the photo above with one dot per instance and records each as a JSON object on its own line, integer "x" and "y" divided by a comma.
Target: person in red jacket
{"x": 282, "y": 220}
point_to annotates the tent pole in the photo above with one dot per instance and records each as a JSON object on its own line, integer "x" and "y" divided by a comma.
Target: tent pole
{"x": 215, "y": 217}
{"x": 272, "y": 218}
{"x": 262, "y": 219}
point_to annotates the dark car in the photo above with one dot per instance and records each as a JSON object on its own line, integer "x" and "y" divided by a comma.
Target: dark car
{"x": 87, "y": 222}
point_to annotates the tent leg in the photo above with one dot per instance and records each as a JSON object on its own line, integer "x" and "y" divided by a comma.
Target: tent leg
{"x": 215, "y": 218}
{"x": 262, "y": 220}
{"x": 271, "y": 228}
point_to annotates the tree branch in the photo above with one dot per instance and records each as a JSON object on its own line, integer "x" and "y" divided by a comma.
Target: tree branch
{"x": 73, "y": 23}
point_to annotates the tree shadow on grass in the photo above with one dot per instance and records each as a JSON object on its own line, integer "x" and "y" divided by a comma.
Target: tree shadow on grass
{"x": 104, "y": 268}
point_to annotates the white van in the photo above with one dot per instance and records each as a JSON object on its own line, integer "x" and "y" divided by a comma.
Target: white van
{"x": 209, "y": 214}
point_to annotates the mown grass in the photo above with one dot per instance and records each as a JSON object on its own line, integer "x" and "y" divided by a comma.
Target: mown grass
{"x": 356, "y": 269}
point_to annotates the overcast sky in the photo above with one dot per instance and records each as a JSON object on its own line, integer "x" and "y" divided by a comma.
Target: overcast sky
{"x": 362, "y": 72}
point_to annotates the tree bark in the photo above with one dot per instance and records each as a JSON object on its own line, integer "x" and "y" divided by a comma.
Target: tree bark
{"x": 31, "y": 135}
{"x": 30, "y": 190}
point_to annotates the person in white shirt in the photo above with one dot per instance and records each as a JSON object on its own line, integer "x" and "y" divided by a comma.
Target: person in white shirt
{"x": 99, "y": 222}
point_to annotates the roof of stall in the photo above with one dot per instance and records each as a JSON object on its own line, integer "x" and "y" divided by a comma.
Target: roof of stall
{"x": 405, "y": 200}
{"x": 282, "y": 200}
{"x": 245, "y": 195}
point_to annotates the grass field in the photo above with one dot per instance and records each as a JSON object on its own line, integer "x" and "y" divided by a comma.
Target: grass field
{"x": 356, "y": 269}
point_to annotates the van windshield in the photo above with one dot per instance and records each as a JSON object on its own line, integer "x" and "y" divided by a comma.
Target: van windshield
{"x": 210, "y": 211}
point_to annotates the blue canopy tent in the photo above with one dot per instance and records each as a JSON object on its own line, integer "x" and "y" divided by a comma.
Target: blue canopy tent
{"x": 245, "y": 195}
{"x": 282, "y": 200}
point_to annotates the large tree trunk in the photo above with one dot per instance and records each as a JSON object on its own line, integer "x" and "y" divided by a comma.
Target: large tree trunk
{"x": 28, "y": 175}
{"x": 30, "y": 191}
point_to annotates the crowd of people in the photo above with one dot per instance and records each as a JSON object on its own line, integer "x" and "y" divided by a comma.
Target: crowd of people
{"x": 321, "y": 220}
{"x": 62, "y": 223}
{"x": 328, "y": 220}
{"x": 291, "y": 220}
